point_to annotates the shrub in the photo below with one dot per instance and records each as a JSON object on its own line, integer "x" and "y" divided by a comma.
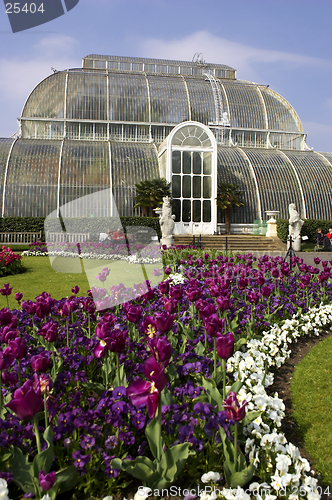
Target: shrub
{"x": 309, "y": 228}
{"x": 10, "y": 263}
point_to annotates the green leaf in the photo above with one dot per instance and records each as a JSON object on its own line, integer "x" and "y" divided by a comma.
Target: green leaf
{"x": 239, "y": 344}
{"x": 199, "y": 349}
{"x": 153, "y": 433}
{"x": 121, "y": 380}
{"x": 22, "y": 471}
{"x": 172, "y": 372}
{"x": 250, "y": 417}
{"x": 215, "y": 398}
{"x": 183, "y": 346}
{"x": 43, "y": 461}
{"x": 167, "y": 397}
{"x": 236, "y": 387}
{"x": 66, "y": 479}
{"x": 142, "y": 467}
{"x": 94, "y": 386}
{"x": 242, "y": 477}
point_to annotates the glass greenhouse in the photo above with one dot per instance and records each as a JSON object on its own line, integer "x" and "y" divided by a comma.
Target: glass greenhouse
{"x": 119, "y": 120}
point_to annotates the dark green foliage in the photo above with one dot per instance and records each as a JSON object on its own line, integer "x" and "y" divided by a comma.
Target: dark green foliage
{"x": 150, "y": 194}
{"x": 309, "y": 228}
{"x": 93, "y": 225}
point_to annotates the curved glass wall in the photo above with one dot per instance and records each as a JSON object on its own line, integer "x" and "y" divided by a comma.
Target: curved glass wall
{"x": 246, "y": 109}
{"x": 280, "y": 114}
{"x": 131, "y": 163}
{"x": 32, "y": 179}
{"x": 169, "y": 100}
{"x": 87, "y": 96}
{"x": 277, "y": 183}
{"x": 201, "y": 99}
{"x": 47, "y": 100}
{"x": 315, "y": 175}
{"x": 85, "y": 169}
{"x": 5, "y": 145}
{"x": 233, "y": 168}
{"x": 128, "y": 96}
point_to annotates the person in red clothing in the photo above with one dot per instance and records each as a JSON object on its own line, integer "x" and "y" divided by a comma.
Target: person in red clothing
{"x": 329, "y": 234}
{"x": 118, "y": 235}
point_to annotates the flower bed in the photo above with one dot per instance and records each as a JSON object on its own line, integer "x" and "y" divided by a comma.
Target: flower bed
{"x": 142, "y": 390}
{"x": 9, "y": 262}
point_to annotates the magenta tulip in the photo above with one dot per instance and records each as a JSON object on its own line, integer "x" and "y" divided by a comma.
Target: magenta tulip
{"x": 18, "y": 347}
{"x": 26, "y": 402}
{"x": 233, "y": 409}
{"x": 6, "y": 358}
{"x": 164, "y": 321}
{"x": 161, "y": 350}
{"x": 46, "y": 481}
{"x": 40, "y": 363}
{"x": 225, "y": 345}
{"x": 214, "y": 325}
{"x": 6, "y": 290}
{"x": 49, "y": 331}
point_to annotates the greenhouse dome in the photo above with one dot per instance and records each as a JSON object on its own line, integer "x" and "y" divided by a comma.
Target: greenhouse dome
{"x": 120, "y": 120}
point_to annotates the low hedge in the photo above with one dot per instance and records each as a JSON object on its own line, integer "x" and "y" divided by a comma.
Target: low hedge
{"x": 309, "y": 228}
{"x": 93, "y": 225}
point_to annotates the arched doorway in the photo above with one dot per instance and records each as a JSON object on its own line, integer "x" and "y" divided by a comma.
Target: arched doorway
{"x": 191, "y": 166}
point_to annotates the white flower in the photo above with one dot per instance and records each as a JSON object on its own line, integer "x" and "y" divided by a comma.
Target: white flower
{"x": 206, "y": 496}
{"x": 4, "y": 490}
{"x": 46, "y": 497}
{"x": 283, "y": 462}
{"x": 142, "y": 493}
{"x": 210, "y": 477}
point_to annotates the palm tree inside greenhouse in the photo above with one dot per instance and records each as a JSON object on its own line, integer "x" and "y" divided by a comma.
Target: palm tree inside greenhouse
{"x": 150, "y": 194}
{"x": 228, "y": 196}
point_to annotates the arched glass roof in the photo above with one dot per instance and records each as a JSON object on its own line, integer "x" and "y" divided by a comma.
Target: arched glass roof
{"x": 150, "y": 98}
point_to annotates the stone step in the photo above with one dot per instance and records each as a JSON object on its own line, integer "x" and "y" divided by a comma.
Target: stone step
{"x": 248, "y": 243}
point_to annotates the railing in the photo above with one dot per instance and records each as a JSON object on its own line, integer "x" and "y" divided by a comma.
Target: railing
{"x": 14, "y": 238}
{"x": 67, "y": 237}
{"x": 196, "y": 241}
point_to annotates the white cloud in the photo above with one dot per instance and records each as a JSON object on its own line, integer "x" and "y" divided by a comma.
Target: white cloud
{"x": 18, "y": 76}
{"x": 220, "y": 50}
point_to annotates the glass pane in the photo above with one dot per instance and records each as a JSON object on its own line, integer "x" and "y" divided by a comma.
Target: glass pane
{"x": 176, "y": 204}
{"x": 186, "y": 168}
{"x": 186, "y": 210}
{"x": 197, "y": 163}
{"x": 206, "y": 211}
{"x": 176, "y": 186}
{"x": 176, "y": 162}
{"x": 197, "y": 182}
{"x": 206, "y": 187}
{"x": 197, "y": 211}
{"x": 186, "y": 186}
{"x": 207, "y": 166}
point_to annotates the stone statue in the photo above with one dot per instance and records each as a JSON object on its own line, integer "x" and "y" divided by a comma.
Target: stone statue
{"x": 295, "y": 226}
{"x": 167, "y": 222}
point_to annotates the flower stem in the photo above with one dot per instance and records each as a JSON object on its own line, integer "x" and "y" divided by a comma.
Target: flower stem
{"x": 0, "y": 391}
{"x": 215, "y": 357}
{"x": 159, "y": 429}
{"x": 223, "y": 365}
{"x": 235, "y": 445}
{"x": 45, "y": 412}
{"x": 67, "y": 323}
{"x": 36, "y": 431}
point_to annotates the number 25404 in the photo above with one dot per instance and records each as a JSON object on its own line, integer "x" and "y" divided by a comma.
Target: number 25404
{"x": 15, "y": 8}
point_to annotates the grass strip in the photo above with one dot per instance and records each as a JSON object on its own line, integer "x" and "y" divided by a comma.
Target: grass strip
{"x": 312, "y": 404}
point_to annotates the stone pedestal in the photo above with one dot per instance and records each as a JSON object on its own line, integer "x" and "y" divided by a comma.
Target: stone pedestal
{"x": 271, "y": 228}
{"x": 297, "y": 244}
{"x": 167, "y": 240}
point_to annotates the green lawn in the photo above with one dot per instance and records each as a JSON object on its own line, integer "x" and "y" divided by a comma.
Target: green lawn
{"x": 312, "y": 403}
{"x": 59, "y": 278}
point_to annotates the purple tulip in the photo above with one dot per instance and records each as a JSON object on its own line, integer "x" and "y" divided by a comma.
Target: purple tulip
{"x": 40, "y": 362}
{"x": 161, "y": 350}
{"x": 143, "y": 392}
{"x": 18, "y": 296}
{"x": 6, "y": 291}
{"x": 26, "y": 402}
{"x": 164, "y": 321}
{"x": 170, "y": 306}
{"x": 253, "y": 297}
{"x": 6, "y": 358}
{"x": 134, "y": 314}
{"x": 100, "y": 349}
{"x": 75, "y": 289}
{"x": 225, "y": 345}
{"x": 206, "y": 311}
{"x": 149, "y": 326}
{"x": 46, "y": 481}
{"x": 233, "y": 409}
{"x": 194, "y": 294}
{"x": 214, "y": 325}
{"x": 18, "y": 347}
{"x": 9, "y": 378}
{"x": 42, "y": 383}
{"x": 6, "y": 317}
{"x": 223, "y": 303}
{"x": 266, "y": 291}
{"x": 116, "y": 341}
{"x": 176, "y": 292}
{"x": 164, "y": 287}
{"x": 49, "y": 331}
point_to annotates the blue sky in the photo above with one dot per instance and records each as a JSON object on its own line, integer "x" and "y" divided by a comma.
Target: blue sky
{"x": 286, "y": 44}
